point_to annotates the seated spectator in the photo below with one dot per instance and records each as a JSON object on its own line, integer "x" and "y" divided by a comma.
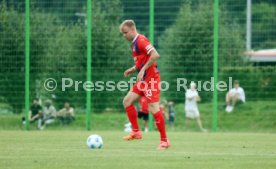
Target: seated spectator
{"x": 66, "y": 115}
{"x": 49, "y": 114}
{"x": 35, "y": 112}
{"x": 234, "y": 96}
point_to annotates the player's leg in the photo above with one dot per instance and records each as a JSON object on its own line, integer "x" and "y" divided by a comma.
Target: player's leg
{"x": 235, "y": 99}
{"x": 188, "y": 118}
{"x": 171, "y": 122}
{"x": 130, "y": 99}
{"x": 160, "y": 123}
{"x": 198, "y": 122}
{"x": 40, "y": 120}
{"x": 187, "y": 122}
{"x": 128, "y": 102}
{"x": 34, "y": 118}
{"x": 146, "y": 119}
{"x": 153, "y": 94}
{"x": 37, "y": 117}
{"x": 228, "y": 98}
{"x": 139, "y": 115}
{"x": 229, "y": 101}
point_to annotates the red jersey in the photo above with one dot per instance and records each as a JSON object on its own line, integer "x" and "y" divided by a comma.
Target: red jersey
{"x": 143, "y": 102}
{"x": 141, "y": 47}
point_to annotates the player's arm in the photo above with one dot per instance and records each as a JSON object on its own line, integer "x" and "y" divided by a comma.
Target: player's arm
{"x": 166, "y": 114}
{"x": 40, "y": 112}
{"x": 129, "y": 71}
{"x": 153, "y": 57}
{"x": 190, "y": 96}
{"x": 59, "y": 113}
{"x": 198, "y": 99}
{"x": 30, "y": 115}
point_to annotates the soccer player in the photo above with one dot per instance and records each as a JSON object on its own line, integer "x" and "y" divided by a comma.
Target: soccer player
{"x": 148, "y": 78}
{"x": 143, "y": 112}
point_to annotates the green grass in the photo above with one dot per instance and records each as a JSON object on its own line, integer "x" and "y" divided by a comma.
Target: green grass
{"x": 254, "y": 117}
{"x": 189, "y": 150}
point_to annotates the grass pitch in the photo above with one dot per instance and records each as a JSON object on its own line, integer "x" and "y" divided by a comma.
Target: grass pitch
{"x": 68, "y": 150}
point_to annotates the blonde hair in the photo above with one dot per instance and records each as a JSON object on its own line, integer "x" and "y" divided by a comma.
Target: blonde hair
{"x": 129, "y": 23}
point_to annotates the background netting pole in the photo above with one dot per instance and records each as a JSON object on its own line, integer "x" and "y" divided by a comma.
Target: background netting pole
{"x": 215, "y": 66}
{"x": 27, "y": 62}
{"x": 88, "y": 76}
{"x": 151, "y": 36}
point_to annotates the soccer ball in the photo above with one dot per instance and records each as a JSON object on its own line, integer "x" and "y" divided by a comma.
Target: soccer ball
{"x": 127, "y": 128}
{"x": 94, "y": 141}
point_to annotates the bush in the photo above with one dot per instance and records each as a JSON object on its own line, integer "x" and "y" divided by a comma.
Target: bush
{"x": 187, "y": 48}
{"x": 257, "y": 82}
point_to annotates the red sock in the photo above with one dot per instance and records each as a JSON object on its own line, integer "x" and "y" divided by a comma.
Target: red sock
{"x": 160, "y": 123}
{"x": 132, "y": 117}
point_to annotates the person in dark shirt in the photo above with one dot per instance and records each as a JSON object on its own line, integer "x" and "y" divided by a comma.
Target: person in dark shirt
{"x": 35, "y": 112}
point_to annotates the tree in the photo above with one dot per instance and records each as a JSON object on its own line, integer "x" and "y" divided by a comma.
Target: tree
{"x": 12, "y": 52}
{"x": 263, "y": 26}
{"x": 58, "y": 49}
{"x": 66, "y": 55}
{"x": 187, "y": 47}
{"x": 12, "y": 57}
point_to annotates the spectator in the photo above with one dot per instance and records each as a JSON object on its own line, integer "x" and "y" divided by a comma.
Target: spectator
{"x": 143, "y": 112}
{"x": 234, "y": 96}
{"x": 191, "y": 109}
{"x": 35, "y": 112}
{"x": 49, "y": 114}
{"x": 171, "y": 112}
{"x": 66, "y": 115}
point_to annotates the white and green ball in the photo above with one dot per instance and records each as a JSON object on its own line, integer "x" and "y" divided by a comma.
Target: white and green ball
{"x": 94, "y": 141}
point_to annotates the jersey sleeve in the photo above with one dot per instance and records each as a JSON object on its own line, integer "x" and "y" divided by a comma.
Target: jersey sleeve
{"x": 191, "y": 94}
{"x": 242, "y": 95}
{"x": 145, "y": 46}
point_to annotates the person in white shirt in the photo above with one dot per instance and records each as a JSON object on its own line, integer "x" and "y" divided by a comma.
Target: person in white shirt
{"x": 48, "y": 114}
{"x": 234, "y": 96}
{"x": 66, "y": 115}
{"x": 191, "y": 109}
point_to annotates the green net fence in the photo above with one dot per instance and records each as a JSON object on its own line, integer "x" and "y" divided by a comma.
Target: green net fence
{"x": 12, "y": 57}
{"x": 248, "y": 26}
{"x": 182, "y": 31}
{"x": 57, "y": 51}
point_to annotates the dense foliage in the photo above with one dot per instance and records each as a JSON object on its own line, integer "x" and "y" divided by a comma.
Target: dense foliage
{"x": 183, "y": 37}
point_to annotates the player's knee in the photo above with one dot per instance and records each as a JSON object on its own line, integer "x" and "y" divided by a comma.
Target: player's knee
{"x": 126, "y": 102}
{"x": 228, "y": 95}
{"x": 153, "y": 108}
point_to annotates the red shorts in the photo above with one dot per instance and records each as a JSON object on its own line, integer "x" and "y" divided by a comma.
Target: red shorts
{"x": 148, "y": 88}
